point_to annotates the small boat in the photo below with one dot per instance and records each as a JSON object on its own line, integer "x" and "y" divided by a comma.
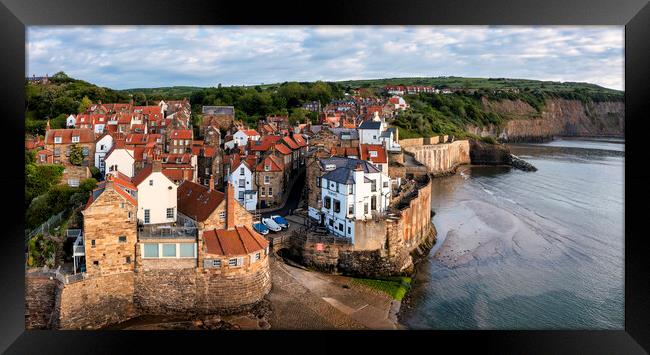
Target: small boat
{"x": 270, "y": 224}
{"x": 281, "y": 221}
{"x": 261, "y": 228}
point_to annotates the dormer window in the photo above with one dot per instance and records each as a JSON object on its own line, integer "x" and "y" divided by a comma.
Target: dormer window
{"x": 178, "y": 160}
{"x": 75, "y": 139}
{"x": 57, "y": 139}
{"x": 373, "y": 153}
{"x": 267, "y": 167}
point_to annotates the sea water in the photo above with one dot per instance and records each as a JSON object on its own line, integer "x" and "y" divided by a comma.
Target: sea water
{"x": 528, "y": 250}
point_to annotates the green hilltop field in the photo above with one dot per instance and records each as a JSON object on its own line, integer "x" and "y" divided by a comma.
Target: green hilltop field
{"x": 430, "y": 114}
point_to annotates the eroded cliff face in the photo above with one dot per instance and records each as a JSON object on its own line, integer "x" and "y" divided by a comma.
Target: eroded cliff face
{"x": 559, "y": 117}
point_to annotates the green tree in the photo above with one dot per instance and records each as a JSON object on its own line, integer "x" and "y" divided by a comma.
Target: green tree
{"x": 88, "y": 185}
{"x": 76, "y": 155}
{"x": 84, "y": 105}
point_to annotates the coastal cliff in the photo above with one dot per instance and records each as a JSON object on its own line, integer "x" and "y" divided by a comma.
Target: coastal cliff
{"x": 558, "y": 117}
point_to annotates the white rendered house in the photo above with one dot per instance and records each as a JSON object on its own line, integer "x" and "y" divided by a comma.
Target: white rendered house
{"x": 351, "y": 190}
{"x": 376, "y": 131}
{"x": 242, "y": 136}
{"x": 102, "y": 147}
{"x": 71, "y": 121}
{"x": 157, "y": 199}
{"x": 120, "y": 159}
{"x": 242, "y": 179}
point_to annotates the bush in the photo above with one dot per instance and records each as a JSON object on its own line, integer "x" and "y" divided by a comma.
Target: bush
{"x": 97, "y": 175}
{"x": 88, "y": 185}
{"x": 489, "y": 140}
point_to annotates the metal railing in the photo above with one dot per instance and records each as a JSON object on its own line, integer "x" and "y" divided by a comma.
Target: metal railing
{"x": 166, "y": 232}
{"x": 45, "y": 227}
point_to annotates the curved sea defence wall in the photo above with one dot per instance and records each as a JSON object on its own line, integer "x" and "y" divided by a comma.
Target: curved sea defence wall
{"x": 54, "y": 301}
{"x": 441, "y": 158}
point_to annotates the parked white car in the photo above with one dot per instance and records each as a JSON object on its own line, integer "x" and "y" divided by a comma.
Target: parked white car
{"x": 270, "y": 223}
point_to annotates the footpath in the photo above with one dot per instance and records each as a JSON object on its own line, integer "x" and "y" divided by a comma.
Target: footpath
{"x": 302, "y": 299}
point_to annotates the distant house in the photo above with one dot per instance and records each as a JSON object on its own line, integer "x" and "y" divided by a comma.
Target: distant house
{"x": 242, "y": 179}
{"x": 242, "y": 136}
{"x": 102, "y": 147}
{"x": 120, "y": 159}
{"x": 269, "y": 177}
{"x": 397, "y": 103}
{"x": 376, "y": 154}
{"x": 70, "y": 121}
{"x": 376, "y": 131}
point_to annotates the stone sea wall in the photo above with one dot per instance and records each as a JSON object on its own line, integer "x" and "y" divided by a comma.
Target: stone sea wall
{"x": 441, "y": 158}
{"x": 98, "y": 301}
{"x": 193, "y": 291}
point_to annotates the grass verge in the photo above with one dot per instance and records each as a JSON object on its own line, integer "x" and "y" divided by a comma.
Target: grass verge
{"x": 394, "y": 286}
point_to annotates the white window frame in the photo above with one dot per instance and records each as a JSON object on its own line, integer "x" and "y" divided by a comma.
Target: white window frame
{"x": 75, "y": 139}
{"x": 167, "y": 213}
{"x": 58, "y": 140}
{"x": 267, "y": 179}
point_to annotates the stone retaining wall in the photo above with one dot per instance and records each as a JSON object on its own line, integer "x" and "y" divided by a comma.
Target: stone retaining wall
{"x": 191, "y": 291}
{"x": 441, "y": 158}
{"x": 40, "y": 295}
{"x": 98, "y": 301}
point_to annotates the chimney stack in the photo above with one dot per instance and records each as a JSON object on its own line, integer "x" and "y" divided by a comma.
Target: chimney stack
{"x": 156, "y": 166}
{"x": 230, "y": 206}
{"x": 211, "y": 183}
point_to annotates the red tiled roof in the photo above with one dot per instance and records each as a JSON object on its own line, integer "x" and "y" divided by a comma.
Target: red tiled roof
{"x": 180, "y": 134}
{"x": 272, "y": 161}
{"x": 250, "y": 132}
{"x": 142, "y": 175}
{"x": 283, "y": 149}
{"x": 264, "y": 143}
{"x": 299, "y": 140}
{"x": 238, "y": 241}
{"x": 345, "y": 151}
{"x": 381, "y": 153}
{"x": 85, "y": 135}
{"x": 290, "y": 143}
{"x": 197, "y": 201}
{"x": 178, "y": 174}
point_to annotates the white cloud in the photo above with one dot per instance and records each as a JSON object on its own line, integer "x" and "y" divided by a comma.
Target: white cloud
{"x": 149, "y": 56}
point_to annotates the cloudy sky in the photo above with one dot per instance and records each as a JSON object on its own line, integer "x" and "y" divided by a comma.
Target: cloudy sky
{"x": 123, "y": 57}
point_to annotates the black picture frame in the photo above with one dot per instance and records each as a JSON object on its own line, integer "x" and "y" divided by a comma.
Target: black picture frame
{"x": 15, "y": 15}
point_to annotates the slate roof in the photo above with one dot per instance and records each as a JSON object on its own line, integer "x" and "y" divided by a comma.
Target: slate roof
{"x": 354, "y": 134}
{"x": 368, "y": 124}
{"x": 344, "y": 171}
{"x": 218, "y": 110}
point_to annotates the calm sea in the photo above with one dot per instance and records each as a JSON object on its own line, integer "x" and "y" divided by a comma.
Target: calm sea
{"x": 528, "y": 250}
